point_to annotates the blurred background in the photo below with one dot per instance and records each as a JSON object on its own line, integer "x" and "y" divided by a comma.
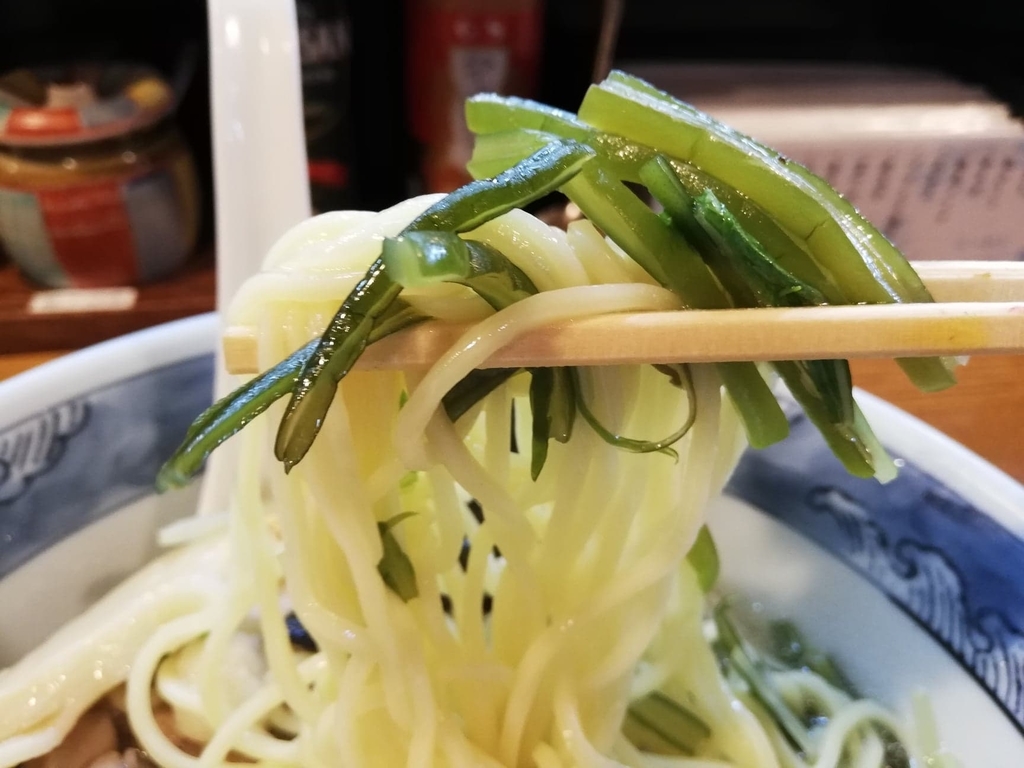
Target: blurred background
{"x": 384, "y": 82}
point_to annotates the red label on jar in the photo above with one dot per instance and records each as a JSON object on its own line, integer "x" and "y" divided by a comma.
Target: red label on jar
{"x": 56, "y": 121}
{"x": 90, "y": 233}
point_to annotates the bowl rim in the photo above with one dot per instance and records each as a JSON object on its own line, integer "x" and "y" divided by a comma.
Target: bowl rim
{"x": 990, "y": 489}
{"x": 102, "y": 364}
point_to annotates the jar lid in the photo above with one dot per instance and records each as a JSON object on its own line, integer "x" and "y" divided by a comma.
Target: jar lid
{"x": 54, "y": 106}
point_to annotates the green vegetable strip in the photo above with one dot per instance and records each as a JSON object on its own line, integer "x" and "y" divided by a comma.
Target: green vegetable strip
{"x": 339, "y": 348}
{"x": 664, "y": 185}
{"x": 639, "y": 446}
{"x": 794, "y": 719}
{"x": 661, "y": 725}
{"x": 843, "y": 438}
{"x": 793, "y": 650}
{"x": 347, "y": 334}
{"x": 495, "y": 279}
{"x": 234, "y": 411}
{"x": 227, "y": 416}
{"x": 551, "y": 393}
{"x": 491, "y": 113}
{"x": 395, "y": 567}
{"x": 494, "y": 153}
{"x": 748, "y": 666}
{"x": 422, "y": 258}
{"x": 824, "y": 384}
{"x": 869, "y": 268}
{"x": 871, "y": 236}
{"x": 667, "y": 257}
{"x": 494, "y": 118}
{"x": 888, "y": 262}
{"x": 542, "y": 387}
{"x": 791, "y": 254}
{"x": 553, "y": 405}
{"x": 703, "y": 558}
{"x": 532, "y": 178}
{"x": 399, "y": 315}
{"x": 864, "y": 232}
{"x": 691, "y": 136}
{"x": 773, "y": 286}
{"x": 470, "y": 390}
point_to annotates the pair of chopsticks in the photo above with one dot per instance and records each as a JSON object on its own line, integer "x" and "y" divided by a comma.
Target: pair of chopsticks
{"x": 978, "y": 309}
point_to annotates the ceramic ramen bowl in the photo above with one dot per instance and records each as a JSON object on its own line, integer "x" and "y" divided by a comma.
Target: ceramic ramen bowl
{"x": 918, "y": 584}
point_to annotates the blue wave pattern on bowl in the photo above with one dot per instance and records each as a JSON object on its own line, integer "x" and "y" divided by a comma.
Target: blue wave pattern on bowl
{"x": 76, "y": 462}
{"x": 948, "y": 565}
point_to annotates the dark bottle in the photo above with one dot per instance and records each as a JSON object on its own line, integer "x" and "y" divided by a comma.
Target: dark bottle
{"x": 325, "y": 44}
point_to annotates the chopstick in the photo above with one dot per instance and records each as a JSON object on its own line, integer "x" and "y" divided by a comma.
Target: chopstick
{"x": 979, "y": 309}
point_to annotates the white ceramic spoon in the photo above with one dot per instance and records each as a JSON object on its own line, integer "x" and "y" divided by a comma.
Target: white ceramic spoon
{"x": 261, "y": 186}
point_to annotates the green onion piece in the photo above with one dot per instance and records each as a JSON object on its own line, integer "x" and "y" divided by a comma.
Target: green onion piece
{"x": 424, "y": 258}
{"x": 640, "y": 446}
{"x": 395, "y": 567}
{"x": 348, "y": 332}
{"x": 660, "y": 725}
{"x": 553, "y": 405}
{"x": 703, "y": 558}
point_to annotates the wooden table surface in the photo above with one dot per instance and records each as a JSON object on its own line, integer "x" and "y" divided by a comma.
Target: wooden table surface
{"x": 985, "y": 411}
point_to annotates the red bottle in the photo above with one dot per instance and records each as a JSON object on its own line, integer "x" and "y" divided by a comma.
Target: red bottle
{"x": 458, "y": 48}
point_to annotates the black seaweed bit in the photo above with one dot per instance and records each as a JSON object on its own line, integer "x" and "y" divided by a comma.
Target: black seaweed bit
{"x": 488, "y": 604}
{"x": 298, "y": 635}
{"x": 514, "y": 447}
{"x": 446, "y": 604}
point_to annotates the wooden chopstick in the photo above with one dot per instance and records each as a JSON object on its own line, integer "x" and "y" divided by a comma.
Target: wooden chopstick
{"x": 979, "y": 309}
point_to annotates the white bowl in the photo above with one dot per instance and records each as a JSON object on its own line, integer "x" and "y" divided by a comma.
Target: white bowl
{"x": 917, "y": 584}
